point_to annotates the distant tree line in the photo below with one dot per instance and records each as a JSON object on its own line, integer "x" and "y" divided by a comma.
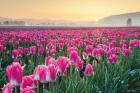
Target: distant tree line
{"x": 13, "y": 23}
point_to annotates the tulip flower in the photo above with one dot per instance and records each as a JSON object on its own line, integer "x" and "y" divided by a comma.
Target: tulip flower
{"x": 62, "y": 63}
{"x": 61, "y": 45}
{"x": 84, "y": 55}
{"x": 89, "y": 49}
{"x": 26, "y": 51}
{"x": 134, "y": 43}
{"x": 20, "y": 51}
{"x": 27, "y": 90}
{"x": 97, "y": 52}
{"x": 112, "y": 58}
{"x": 40, "y": 51}
{"x": 53, "y": 51}
{"x": 126, "y": 52}
{"x": 88, "y": 70}
{"x": 15, "y": 53}
{"x": 73, "y": 56}
{"x": 52, "y": 71}
{"x": 123, "y": 44}
{"x": 7, "y": 88}
{"x": 79, "y": 63}
{"x": 33, "y": 49}
{"x": 28, "y": 81}
{"x": 40, "y": 73}
{"x": 14, "y": 73}
{"x": 49, "y": 60}
{"x": 70, "y": 49}
{"x": 94, "y": 63}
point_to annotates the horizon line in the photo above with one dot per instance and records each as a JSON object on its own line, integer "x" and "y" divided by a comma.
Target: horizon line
{"x": 67, "y": 20}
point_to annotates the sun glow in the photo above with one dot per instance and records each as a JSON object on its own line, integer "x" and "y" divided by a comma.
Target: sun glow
{"x": 73, "y": 10}
{"x": 96, "y": 20}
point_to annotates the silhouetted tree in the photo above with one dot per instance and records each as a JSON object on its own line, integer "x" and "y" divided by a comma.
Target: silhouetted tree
{"x": 129, "y": 22}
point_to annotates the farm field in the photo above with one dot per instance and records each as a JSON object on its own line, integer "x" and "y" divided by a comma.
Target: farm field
{"x": 70, "y": 60}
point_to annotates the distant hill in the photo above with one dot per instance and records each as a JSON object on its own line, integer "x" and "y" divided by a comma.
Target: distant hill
{"x": 114, "y": 20}
{"x": 4, "y": 19}
{"x": 120, "y": 20}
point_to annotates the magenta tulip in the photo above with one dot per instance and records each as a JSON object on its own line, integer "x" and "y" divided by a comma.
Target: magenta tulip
{"x": 89, "y": 49}
{"x": 7, "y": 88}
{"x": 27, "y": 90}
{"x": 28, "y": 81}
{"x": 88, "y": 70}
{"x": 62, "y": 63}
{"x": 14, "y": 73}
{"x": 52, "y": 72}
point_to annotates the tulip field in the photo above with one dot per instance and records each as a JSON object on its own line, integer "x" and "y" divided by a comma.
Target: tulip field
{"x": 70, "y": 60}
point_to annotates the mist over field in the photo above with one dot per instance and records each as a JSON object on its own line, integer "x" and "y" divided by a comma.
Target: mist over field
{"x": 114, "y": 20}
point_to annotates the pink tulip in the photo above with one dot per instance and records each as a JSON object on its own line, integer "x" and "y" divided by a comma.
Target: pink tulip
{"x": 40, "y": 51}
{"x": 62, "y": 63}
{"x": 16, "y": 60}
{"x": 28, "y": 81}
{"x": 27, "y": 90}
{"x": 123, "y": 44}
{"x": 126, "y": 52}
{"x": 33, "y": 49}
{"x": 116, "y": 50}
{"x": 26, "y": 51}
{"x": 80, "y": 43}
{"x": 49, "y": 60}
{"x": 84, "y": 55}
{"x": 52, "y": 72}
{"x": 53, "y": 51}
{"x": 7, "y": 88}
{"x": 134, "y": 43}
{"x": 88, "y": 70}
{"x": 14, "y": 73}
{"x": 94, "y": 63}
{"x": 40, "y": 73}
{"x": 97, "y": 52}
{"x": 109, "y": 53}
{"x": 113, "y": 43}
{"x": 112, "y": 58}
{"x": 43, "y": 74}
{"x": 41, "y": 43}
{"x": 79, "y": 63}
{"x": 61, "y": 45}
{"x": 37, "y": 72}
{"x": 73, "y": 56}
{"x": 70, "y": 49}
{"x": 20, "y": 51}
{"x": 89, "y": 49}
{"x": 15, "y": 53}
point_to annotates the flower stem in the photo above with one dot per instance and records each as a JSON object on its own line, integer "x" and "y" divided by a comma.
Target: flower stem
{"x": 16, "y": 90}
{"x": 38, "y": 87}
{"x": 43, "y": 87}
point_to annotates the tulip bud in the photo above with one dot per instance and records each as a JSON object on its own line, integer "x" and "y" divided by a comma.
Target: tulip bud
{"x": 7, "y": 88}
{"x": 88, "y": 70}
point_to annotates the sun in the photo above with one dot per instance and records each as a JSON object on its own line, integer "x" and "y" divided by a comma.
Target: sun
{"x": 96, "y": 20}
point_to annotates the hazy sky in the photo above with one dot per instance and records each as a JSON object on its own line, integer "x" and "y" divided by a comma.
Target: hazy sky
{"x": 73, "y": 10}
